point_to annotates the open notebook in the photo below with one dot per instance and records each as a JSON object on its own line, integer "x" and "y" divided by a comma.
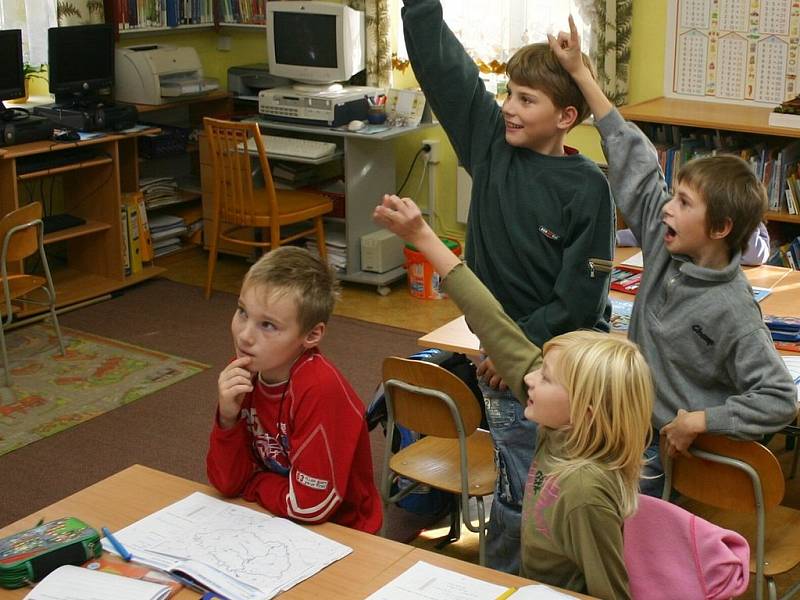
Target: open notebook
{"x": 70, "y": 583}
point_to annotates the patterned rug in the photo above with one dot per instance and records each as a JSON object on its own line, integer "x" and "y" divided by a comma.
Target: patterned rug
{"x": 51, "y": 393}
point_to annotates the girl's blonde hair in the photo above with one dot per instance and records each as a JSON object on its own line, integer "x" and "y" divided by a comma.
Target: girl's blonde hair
{"x": 611, "y": 403}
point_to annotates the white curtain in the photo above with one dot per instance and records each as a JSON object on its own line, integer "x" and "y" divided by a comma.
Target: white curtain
{"x": 493, "y": 31}
{"x": 33, "y": 17}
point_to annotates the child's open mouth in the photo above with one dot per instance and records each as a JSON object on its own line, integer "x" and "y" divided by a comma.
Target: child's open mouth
{"x": 510, "y": 125}
{"x": 670, "y": 234}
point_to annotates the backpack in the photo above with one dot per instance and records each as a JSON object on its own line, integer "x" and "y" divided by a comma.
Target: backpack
{"x": 424, "y": 500}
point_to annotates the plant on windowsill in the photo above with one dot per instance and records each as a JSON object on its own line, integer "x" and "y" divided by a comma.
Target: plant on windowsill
{"x": 31, "y": 72}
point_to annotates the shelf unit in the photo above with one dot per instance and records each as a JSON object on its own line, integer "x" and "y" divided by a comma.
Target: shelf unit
{"x": 92, "y": 263}
{"x": 207, "y": 15}
{"x": 714, "y": 115}
{"x": 185, "y": 113}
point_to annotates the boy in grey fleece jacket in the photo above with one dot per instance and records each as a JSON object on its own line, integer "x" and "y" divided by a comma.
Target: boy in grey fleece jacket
{"x": 695, "y": 319}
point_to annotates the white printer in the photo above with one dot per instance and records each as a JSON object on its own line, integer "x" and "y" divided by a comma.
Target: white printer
{"x": 158, "y": 74}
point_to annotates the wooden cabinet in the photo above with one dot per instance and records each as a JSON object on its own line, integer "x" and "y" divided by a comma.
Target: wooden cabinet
{"x": 86, "y": 260}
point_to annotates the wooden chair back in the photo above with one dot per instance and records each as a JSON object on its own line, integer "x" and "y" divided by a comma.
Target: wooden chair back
{"x": 234, "y": 196}
{"x": 425, "y": 413}
{"x": 25, "y": 242}
{"x": 725, "y": 486}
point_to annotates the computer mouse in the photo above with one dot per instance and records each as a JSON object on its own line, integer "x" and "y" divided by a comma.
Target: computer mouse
{"x": 355, "y": 125}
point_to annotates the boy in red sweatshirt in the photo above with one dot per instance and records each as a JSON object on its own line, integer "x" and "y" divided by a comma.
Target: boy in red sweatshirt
{"x": 290, "y": 431}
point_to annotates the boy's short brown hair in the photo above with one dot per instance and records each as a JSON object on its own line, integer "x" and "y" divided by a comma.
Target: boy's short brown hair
{"x": 289, "y": 269}
{"x": 535, "y": 66}
{"x": 730, "y": 190}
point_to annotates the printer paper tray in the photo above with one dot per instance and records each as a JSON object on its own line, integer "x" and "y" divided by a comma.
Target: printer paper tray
{"x": 186, "y": 87}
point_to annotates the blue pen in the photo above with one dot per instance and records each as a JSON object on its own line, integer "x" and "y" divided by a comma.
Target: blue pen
{"x": 123, "y": 552}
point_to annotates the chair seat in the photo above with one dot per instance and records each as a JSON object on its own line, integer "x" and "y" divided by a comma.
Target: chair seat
{"x": 782, "y": 546}
{"x": 434, "y": 461}
{"x": 293, "y": 206}
{"x": 20, "y": 285}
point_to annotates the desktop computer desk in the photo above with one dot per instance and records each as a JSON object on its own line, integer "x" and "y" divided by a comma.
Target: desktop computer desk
{"x": 138, "y": 491}
{"x": 369, "y": 172}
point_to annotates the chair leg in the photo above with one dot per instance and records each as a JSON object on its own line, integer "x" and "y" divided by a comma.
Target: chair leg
{"x": 319, "y": 226}
{"x": 212, "y": 261}
{"x": 482, "y": 524}
{"x": 52, "y": 301}
{"x": 6, "y": 370}
{"x": 772, "y": 589}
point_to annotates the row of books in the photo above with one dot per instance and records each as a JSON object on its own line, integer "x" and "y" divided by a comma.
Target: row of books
{"x": 773, "y": 161}
{"x": 294, "y": 175}
{"x": 144, "y": 14}
{"x": 787, "y": 255}
{"x": 252, "y": 12}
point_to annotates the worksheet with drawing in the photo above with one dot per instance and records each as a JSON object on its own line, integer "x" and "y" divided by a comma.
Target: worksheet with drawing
{"x": 234, "y": 550}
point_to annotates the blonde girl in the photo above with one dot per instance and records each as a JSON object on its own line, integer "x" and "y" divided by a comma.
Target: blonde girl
{"x": 592, "y": 396}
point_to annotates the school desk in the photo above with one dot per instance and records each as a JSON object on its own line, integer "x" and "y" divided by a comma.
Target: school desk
{"x": 783, "y": 301}
{"x": 138, "y": 491}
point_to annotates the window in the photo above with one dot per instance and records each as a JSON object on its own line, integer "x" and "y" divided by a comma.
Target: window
{"x": 33, "y": 17}
{"x": 494, "y": 31}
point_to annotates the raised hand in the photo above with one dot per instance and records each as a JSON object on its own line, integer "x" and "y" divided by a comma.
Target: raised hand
{"x": 567, "y": 48}
{"x": 234, "y": 382}
{"x": 401, "y": 216}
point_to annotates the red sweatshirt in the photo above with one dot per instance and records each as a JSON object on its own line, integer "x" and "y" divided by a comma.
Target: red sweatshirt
{"x": 300, "y": 449}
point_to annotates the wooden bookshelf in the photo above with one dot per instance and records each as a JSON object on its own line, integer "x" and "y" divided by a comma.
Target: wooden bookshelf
{"x": 716, "y": 116}
{"x": 89, "y": 262}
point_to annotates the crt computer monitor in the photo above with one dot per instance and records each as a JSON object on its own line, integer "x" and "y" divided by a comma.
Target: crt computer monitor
{"x": 315, "y": 42}
{"x": 81, "y": 60}
{"x": 12, "y": 74}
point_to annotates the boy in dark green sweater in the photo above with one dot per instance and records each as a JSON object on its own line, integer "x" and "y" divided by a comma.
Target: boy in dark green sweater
{"x": 541, "y": 221}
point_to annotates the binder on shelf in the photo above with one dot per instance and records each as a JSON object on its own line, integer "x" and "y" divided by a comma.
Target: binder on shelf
{"x": 126, "y": 256}
{"x": 134, "y": 247}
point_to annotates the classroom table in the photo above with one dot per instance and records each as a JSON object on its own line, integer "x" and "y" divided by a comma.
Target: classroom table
{"x": 138, "y": 491}
{"x": 783, "y": 301}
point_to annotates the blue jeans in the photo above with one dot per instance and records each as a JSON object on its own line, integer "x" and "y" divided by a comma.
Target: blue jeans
{"x": 652, "y": 480}
{"x": 514, "y": 440}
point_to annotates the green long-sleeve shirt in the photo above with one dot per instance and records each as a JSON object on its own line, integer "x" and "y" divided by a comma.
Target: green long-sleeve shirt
{"x": 536, "y": 222}
{"x": 571, "y": 526}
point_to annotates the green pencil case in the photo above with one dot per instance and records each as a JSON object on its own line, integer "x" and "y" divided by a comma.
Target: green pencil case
{"x": 28, "y": 556}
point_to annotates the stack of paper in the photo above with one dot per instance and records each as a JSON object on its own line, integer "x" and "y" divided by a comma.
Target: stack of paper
{"x": 165, "y": 231}
{"x": 335, "y": 244}
{"x": 159, "y": 191}
{"x": 235, "y": 551}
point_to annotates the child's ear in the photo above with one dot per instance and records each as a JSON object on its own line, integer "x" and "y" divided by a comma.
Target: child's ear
{"x": 314, "y": 337}
{"x": 722, "y": 233}
{"x": 568, "y": 117}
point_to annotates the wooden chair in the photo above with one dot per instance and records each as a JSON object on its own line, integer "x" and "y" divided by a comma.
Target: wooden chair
{"x": 22, "y": 234}
{"x": 239, "y": 203}
{"x": 454, "y": 456}
{"x": 740, "y": 485}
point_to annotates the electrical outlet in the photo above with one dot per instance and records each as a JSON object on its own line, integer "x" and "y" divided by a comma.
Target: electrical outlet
{"x": 433, "y": 155}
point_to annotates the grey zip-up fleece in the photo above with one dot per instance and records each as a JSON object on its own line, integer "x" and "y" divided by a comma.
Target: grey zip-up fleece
{"x": 700, "y": 329}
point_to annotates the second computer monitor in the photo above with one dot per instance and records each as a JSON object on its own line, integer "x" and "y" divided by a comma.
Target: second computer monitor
{"x": 12, "y": 74}
{"x": 81, "y": 60}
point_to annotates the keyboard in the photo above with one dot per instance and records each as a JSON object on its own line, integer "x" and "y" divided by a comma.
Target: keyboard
{"x": 294, "y": 147}
{"x": 59, "y": 158}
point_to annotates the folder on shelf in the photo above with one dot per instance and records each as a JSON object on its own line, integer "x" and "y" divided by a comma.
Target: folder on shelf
{"x": 126, "y": 256}
{"x": 134, "y": 247}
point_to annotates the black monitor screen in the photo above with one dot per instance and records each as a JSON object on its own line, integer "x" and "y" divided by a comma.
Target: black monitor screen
{"x": 12, "y": 76}
{"x": 81, "y": 58}
{"x": 305, "y": 40}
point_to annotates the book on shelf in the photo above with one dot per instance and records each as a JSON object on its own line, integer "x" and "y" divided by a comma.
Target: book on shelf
{"x": 145, "y": 240}
{"x": 134, "y": 245}
{"x": 124, "y": 245}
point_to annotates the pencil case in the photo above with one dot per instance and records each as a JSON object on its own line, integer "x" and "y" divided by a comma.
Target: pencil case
{"x": 29, "y": 555}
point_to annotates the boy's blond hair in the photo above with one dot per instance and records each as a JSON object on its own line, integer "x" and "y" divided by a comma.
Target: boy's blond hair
{"x": 289, "y": 269}
{"x": 730, "y": 190}
{"x": 535, "y": 66}
{"x": 611, "y": 402}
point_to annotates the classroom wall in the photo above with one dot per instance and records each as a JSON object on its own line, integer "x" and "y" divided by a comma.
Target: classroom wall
{"x": 249, "y": 46}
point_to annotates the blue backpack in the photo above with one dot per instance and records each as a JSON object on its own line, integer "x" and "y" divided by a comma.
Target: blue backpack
{"x": 424, "y": 500}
